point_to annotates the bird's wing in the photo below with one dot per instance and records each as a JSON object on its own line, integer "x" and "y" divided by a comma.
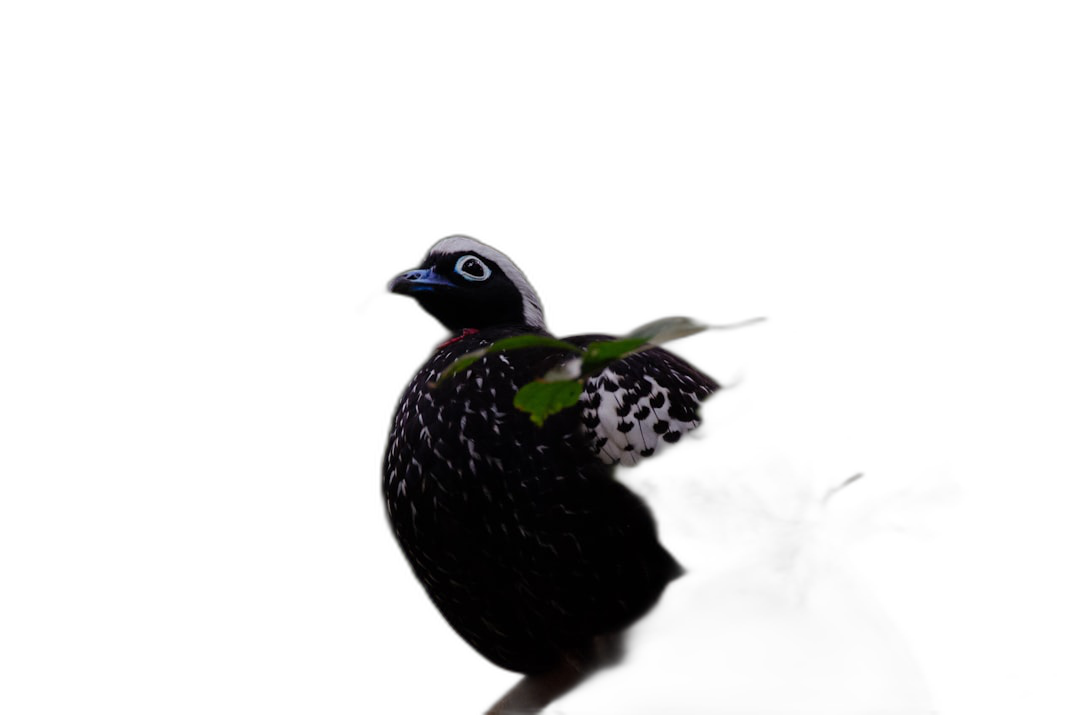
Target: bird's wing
{"x": 641, "y": 403}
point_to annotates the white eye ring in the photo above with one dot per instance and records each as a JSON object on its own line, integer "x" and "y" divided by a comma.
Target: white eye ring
{"x": 459, "y": 268}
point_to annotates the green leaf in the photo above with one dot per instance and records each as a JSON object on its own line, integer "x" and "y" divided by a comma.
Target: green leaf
{"x": 514, "y": 342}
{"x": 561, "y": 387}
{"x": 530, "y": 340}
{"x": 460, "y": 364}
{"x": 602, "y": 352}
{"x": 667, "y": 329}
{"x": 543, "y": 399}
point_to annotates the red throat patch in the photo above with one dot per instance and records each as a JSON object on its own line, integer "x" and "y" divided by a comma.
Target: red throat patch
{"x": 464, "y": 333}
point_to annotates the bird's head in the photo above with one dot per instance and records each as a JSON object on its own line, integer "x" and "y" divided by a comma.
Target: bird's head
{"x": 467, "y": 284}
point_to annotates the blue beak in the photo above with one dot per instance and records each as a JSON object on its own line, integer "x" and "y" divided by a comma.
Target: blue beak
{"x": 419, "y": 281}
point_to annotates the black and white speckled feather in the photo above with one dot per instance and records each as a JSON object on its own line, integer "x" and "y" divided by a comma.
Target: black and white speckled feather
{"x": 521, "y": 535}
{"x": 640, "y": 404}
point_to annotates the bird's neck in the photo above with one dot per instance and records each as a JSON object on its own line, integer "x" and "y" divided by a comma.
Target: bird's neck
{"x": 465, "y": 332}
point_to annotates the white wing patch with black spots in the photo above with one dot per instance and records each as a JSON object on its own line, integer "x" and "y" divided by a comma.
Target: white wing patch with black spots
{"x": 640, "y": 404}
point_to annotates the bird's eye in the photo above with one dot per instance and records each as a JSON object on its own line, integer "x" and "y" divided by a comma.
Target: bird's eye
{"x": 472, "y": 268}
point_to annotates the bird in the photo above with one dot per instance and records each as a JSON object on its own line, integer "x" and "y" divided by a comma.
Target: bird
{"x": 521, "y": 535}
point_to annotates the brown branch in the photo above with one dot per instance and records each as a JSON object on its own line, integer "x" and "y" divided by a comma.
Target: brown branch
{"x": 533, "y": 693}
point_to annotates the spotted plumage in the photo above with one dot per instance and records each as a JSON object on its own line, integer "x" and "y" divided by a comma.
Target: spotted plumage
{"x": 521, "y": 535}
{"x": 641, "y": 403}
